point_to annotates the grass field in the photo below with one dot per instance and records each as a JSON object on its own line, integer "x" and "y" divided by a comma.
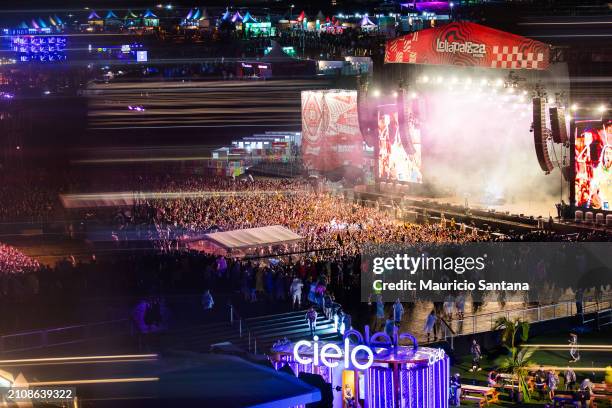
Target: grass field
{"x": 546, "y": 357}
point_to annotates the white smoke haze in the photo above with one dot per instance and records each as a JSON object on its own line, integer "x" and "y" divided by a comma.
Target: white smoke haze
{"x": 477, "y": 145}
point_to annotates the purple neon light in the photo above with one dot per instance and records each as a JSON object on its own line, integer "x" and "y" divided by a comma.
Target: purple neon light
{"x": 432, "y": 6}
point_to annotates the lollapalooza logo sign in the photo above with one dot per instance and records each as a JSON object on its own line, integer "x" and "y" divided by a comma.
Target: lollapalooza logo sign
{"x": 378, "y": 345}
{"x": 467, "y": 47}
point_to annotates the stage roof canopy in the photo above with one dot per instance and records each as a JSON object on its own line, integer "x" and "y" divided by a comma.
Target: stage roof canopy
{"x": 253, "y": 237}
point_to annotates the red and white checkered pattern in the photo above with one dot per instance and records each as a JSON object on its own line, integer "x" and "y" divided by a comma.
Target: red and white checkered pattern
{"x": 514, "y": 58}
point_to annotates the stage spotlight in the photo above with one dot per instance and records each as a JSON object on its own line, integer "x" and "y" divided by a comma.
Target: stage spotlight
{"x": 499, "y": 82}
{"x": 454, "y": 80}
{"x": 413, "y": 95}
{"x": 483, "y": 81}
{"x": 510, "y": 90}
{"x": 602, "y": 108}
{"x": 425, "y": 78}
{"x": 376, "y": 93}
{"x": 574, "y": 107}
{"x": 394, "y": 94}
{"x": 439, "y": 79}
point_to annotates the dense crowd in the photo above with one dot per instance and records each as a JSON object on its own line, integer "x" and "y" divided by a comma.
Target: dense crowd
{"x": 324, "y": 220}
{"x": 26, "y": 196}
{"x": 14, "y": 261}
{"x": 327, "y": 263}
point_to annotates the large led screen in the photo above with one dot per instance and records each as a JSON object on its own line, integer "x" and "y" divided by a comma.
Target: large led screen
{"x": 399, "y": 152}
{"x": 593, "y": 166}
{"x": 331, "y": 137}
{"x": 30, "y": 48}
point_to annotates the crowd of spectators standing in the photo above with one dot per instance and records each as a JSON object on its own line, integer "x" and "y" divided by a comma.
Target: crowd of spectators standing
{"x": 327, "y": 263}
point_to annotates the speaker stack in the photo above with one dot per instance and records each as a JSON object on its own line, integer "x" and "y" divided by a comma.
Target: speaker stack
{"x": 558, "y": 125}
{"x": 540, "y": 135}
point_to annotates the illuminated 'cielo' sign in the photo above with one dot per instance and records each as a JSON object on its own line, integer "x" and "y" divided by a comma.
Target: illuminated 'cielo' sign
{"x": 359, "y": 353}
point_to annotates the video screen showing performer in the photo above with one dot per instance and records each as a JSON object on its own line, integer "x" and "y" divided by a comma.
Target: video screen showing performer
{"x": 593, "y": 168}
{"x": 399, "y": 156}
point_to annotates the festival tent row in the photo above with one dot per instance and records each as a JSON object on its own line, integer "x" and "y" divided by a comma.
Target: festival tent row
{"x": 130, "y": 20}
{"x": 334, "y": 24}
{"x": 196, "y": 18}
{"x": 51, "y": 22}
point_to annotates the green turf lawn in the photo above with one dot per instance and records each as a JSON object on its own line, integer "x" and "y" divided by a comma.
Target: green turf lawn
{"x": 545, "y": 357}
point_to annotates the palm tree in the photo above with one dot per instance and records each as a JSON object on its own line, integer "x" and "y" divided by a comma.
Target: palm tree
{"x": 518, "y": 365}
{"x": 510, "y": 329}
{"x": 518, "y": 362}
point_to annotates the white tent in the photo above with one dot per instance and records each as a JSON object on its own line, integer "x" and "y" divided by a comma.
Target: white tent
{"x": 253, "y": 237}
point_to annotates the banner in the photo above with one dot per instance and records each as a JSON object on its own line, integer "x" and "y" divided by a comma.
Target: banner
{"x": 470, "y": 45}
{"x": 331, "y": 137}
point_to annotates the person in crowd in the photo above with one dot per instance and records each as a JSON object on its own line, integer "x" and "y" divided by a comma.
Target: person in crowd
{"x": 221, "y": 266}
{"x": 540, "y": 381}
{"x": 207, "y": 300}
{"x": 570, "y": 379}
{"x": 586, "y": 388}
{"x": 493, "y": 378}
{"x": 460, "y": 306}
{"x": 390, "y": 328}
{"x": 448, "y": 307}
{"x": 312, "y": 292}
{"x": 552, "y": 383}
{"x": 573, "y": 343}
{"x": 311, "y": 318}
{"x": 296, "y": 293}
{"x": 380, "y": 312}
{"x": 430, "y": 325}
{"x": 347, "y": 321}
{"x": 398, "y": 312}
{"x": 476, "y": 356}
{"x": 349, "y": 397}
{"x": 455, "y": 390}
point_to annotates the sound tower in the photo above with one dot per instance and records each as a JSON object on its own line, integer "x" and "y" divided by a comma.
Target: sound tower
{"x": 404, "y": 111}
{"x": 366, "y": 115}
{"x": 558, "y": 125}
{"x": 540, "y": 134}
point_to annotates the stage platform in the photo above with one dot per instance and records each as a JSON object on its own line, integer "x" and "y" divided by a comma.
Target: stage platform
{"x": 506, "y": 217}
